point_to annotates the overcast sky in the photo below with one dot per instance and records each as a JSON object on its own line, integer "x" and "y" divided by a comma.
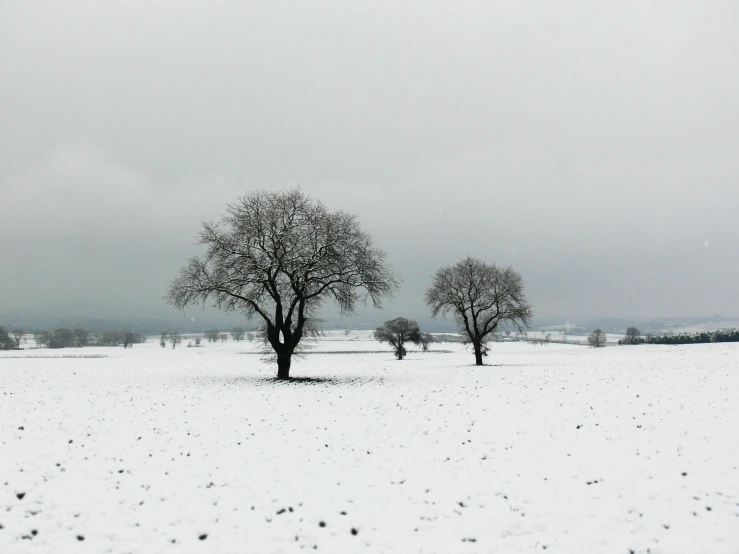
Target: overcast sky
{"x": 593, "y": 146}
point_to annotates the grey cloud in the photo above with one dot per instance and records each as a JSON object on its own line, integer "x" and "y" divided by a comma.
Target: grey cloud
{"x": 593, "y": 146}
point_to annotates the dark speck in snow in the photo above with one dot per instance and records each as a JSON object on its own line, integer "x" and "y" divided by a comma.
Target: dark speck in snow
{"x": 80, "y": 538}
{"x": 20, "y": 495}
{"x": 203, "y": 536}
{"x": 322, "y": 524}
{"x": 354, "y": 531}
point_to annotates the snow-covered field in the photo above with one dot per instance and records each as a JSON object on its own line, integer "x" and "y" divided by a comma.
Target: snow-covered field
{"x": 553, "y": 448}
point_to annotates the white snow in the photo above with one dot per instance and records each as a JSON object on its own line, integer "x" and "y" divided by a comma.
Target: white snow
{"x": 553, "y": 448}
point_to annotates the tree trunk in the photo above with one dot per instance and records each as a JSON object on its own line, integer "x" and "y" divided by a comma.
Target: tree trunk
{"x": 478, "y": 353}
{"x": 283, "y": 365}
{"x": 400, "y": 352}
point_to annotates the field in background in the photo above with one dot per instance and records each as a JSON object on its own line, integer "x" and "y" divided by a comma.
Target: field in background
{"x": 554, "y": 448}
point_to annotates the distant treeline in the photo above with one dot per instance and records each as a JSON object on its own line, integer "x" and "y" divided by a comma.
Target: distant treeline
{"x": 77, "y": 338}
{"x": 699, "y": 337}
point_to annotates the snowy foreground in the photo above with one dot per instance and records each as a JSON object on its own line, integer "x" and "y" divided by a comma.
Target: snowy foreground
{"x": 552, "y": 448}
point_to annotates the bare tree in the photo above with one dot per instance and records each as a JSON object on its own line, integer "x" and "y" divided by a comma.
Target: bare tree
{"x": 62, "y": 338}
{"x": 174, "y": 339}
{"x": 597, "y": 338}
{"x": 130, "y": 338}
{"x": 426, "y": 340}
{"x": 6, "y": 342}
{"x": 632, "y": 336}
{"x": 223, "y": 337}
{"x": 238, "y": 334}
{"x": 396, "y": 332}
{"x": 81, "y": 337}
{"x": 42, "y": 338}
{"x": 212, "y": 335}
{"x": 278, "y": 256}
{"x": 163, "y": 339}
{"x": 480, "y": 296}
{"x": 16, "y": 335}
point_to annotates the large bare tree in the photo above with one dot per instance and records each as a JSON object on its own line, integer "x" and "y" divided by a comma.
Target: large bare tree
{"x": 277, "y": 256}
{"x": 481, "y": 297}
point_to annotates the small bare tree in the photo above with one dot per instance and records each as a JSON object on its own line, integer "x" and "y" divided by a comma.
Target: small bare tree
{"x": 597, "y": 338}
{"x": 212, "y": 335}
{"x": 174, "y": 339}
{"x": 81, "y": 337}
{"x": 396, "y": 332}
{"x": 6, "y": 342}
{"x": 42, "y": 338}
{"x": 632, "y": 336}
{"x": 480, "y": 296}
{"x": 129, "y": 338}
{"x": 237, "y": 334}
{"x": 223, "y": 337}
{"x": 426, "y": 340}
{"x": 16, "y": 335}
{"x": 278, "y": 256}
{"x": 163, "y": 339}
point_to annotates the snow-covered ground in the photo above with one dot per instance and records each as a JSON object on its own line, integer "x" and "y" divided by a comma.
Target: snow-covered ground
{"x": 553, "y": 448}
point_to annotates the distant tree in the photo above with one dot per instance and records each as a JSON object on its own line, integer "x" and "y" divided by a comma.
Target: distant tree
{"x": 632, "y": 336}
{"x": 597, "y": 338}
{"x": 112, "y": 338}
{"x": 80, "y": 337}
{"x": 197, "y": 341}
{"x": 212, "y": 335}
{"x": 237, "y": 333}
{"x": 397, "y": 332}
{"x": 163, "y": 339}
{"x": 130, "y": 338}
{"x": 279, "y": 256}
{"x": 16, "y": 336}
{"x": 62, "y": 338}
{"x": 174, "y": 338}
{"x": 42, "y": 338}
{"x": 480, "y": 296}
{"x": 426, "y": 340}
{"x": 223, "y": 337}
{"x": 6, "y": 342}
